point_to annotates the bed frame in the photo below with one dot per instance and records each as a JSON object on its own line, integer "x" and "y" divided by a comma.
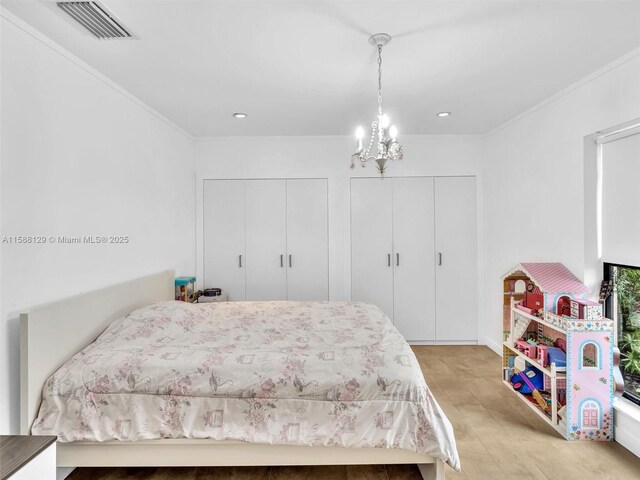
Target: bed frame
{"x": 43, "y": 349}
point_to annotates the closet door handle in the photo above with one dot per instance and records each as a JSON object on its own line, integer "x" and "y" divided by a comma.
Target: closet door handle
{"x": 239, "y": 261}
{"x": 388, "y": 259}
{"x": 290, "y": 265}
{"x": 281, "y": 261}
{"x": 439, "y": 258}
{"x": 397, "y": 259}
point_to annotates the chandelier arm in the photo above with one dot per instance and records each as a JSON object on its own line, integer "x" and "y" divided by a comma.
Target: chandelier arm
{"x": 363, "y": 158}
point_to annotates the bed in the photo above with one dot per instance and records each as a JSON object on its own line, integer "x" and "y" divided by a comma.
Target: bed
{"x": 239, "y": 383}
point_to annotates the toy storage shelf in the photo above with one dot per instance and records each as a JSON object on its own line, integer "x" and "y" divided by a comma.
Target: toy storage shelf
{"x": 545, "y": 306}
{"x": 535, "y": 363}
{"x": 539, "y": 320}
{"x": 533, "y": 406}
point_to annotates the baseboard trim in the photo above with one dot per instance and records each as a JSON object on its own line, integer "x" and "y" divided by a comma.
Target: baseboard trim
{"x": 626, "y": 424}
{"x": 63, "y": 472}
{"x": 496, "y": 347}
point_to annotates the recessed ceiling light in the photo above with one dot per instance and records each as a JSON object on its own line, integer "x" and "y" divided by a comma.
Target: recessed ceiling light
{"x": 240, "y": 115}
{"x": 443, "y": 114}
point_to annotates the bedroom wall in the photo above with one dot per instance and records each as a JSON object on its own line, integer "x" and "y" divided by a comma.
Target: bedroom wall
{"x": 80, "y": 156}
{"x": 534, "y": 180}
{"x": 329, "y": 157}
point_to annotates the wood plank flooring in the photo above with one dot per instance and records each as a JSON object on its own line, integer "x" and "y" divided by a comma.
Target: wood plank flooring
{"x": 498, "y": 437}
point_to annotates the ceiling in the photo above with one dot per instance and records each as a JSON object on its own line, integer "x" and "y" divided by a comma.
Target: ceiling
{"x": 305, "y": 67}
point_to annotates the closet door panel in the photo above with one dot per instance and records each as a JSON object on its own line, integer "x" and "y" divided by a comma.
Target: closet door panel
{"x": 414, "y": 263}
{"x": 265, "y": 211}
{"x": 371, "y": 242}
{"x": 456, "y": 259}
{"x": 224, "y": 236}
{"x": 307, "y": 259}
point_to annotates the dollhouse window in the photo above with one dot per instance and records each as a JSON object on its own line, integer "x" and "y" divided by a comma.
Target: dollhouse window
{"x": 563, "y": 306}
{"x": 520, "y": 286}
{"x": 590, "y": 358}
{"x": 590, "y": 413}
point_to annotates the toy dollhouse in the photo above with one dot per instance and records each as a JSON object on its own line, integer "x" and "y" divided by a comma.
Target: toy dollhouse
{"x": 558, "y": 350}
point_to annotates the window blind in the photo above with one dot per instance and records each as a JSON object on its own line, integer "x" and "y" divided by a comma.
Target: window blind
{"x": 621, "y": 200}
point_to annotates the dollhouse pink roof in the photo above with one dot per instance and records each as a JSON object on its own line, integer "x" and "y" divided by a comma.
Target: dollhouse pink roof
{"x": 554, "y": 278}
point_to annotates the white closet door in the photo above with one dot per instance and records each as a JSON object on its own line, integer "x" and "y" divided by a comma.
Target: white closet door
{"x": 371, "y": 242}
{"x": 456, "y": 260}
{"x": 265, "y": 213}
{"x": 414, "y": 263}
{"x": 307, "y": 244}
{"x": 224, "y": 236}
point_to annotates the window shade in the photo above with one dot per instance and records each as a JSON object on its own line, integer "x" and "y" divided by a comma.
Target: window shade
{"x": 621, "y": 201}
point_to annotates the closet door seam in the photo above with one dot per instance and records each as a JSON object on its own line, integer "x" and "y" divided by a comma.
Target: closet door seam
{"x": 393, "y": 246}
{"x": 286, "y": 236}
{"x": 436, "y": 249}
{"x": 244, "y": 195}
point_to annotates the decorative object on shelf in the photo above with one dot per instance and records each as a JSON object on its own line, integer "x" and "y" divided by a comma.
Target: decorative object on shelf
{"x": 606, "y": 288}
{"x": 585, "y": 309}
{"x": 573, "y": 351}
{"x": 528, "y": 380}
{"x": 185, "y": 289}
{"x": 556, "y": 355}
{"x": 383, "y": 134}
{"x": 210, "y": 295}
{"x": 526, "y": 348}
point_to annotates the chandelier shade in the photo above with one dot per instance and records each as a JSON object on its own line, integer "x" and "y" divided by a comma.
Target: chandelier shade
{"x": 383, "y": 144}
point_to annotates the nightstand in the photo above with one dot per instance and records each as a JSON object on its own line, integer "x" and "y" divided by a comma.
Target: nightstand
{"x": 27, "y": 457}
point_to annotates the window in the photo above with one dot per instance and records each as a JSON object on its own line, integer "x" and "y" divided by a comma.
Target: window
{"x": 563, "y": 306}
{"x": 590, "y": 357}
{"x": 619, "y": 237}
{"x": 623, "y": 307}
{"x": 590, "y": 413}
{"x": 620, "y": 229}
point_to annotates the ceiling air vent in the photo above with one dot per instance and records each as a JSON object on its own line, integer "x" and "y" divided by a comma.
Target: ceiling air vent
{"x": 96, "y": 18}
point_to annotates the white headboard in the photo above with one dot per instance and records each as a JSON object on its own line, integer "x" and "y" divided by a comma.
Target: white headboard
{"x": 51, "y": 334}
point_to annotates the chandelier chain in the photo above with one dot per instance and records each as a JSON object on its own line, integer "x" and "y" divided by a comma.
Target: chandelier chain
{"x": 380, "y": 79}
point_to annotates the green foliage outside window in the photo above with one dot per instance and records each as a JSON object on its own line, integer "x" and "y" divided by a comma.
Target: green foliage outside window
{"x": 627, "y": 282}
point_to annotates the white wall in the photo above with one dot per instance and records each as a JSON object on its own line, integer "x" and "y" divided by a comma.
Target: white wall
{"x": 534, "y": 168}
{"x": 80, "y": 156}
{"x": 329, "y": 157}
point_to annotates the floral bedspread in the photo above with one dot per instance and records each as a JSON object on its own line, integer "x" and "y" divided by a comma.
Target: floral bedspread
{"x": 306, "y": 373}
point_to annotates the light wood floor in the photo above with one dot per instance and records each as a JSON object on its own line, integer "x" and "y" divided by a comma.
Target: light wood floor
{"x": 497, "y": 436}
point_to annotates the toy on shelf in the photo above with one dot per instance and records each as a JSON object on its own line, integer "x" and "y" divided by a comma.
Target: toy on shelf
{"x": 542, "y": 355}
{"x": 526, "y": 348}
{"x": 556, "y": 356}
{"x": 566, "y": 346}
{"x": 185, "y": 289}
{"x": 585, "y": 309}
{"x": 526, "y": 309}
{"x": 528, "y": 380}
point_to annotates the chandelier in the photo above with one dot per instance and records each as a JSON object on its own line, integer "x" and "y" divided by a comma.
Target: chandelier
{"x": 383, "y": 135}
